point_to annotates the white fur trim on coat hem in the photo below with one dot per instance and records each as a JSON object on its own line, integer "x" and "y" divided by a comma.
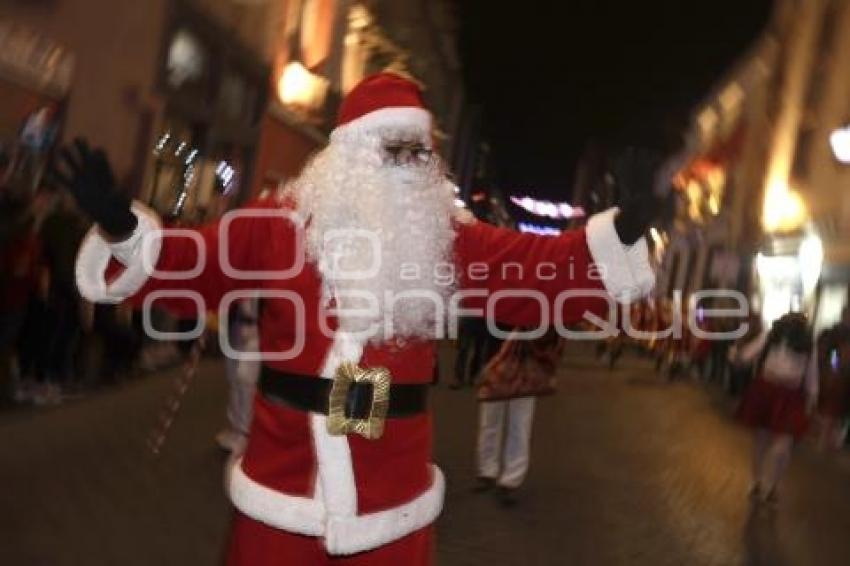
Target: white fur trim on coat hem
{"x": 626, "y": 270}
{"x": 95, "y": 254}
{"x": 349, "y": 535}
{"x": 332, "y": 511}
{"x": 397, "y": 116}
{"x": 342, "y": 534}
{"x": 300, "y": 515}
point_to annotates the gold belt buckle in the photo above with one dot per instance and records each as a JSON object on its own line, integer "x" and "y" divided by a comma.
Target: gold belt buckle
{"x": 371, "y": 427}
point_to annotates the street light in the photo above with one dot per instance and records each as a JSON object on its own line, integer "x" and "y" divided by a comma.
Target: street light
{"x": 783, "y": 210}
{"x": 839, "y": 141}
{"x": 810, "y": 258}
{"x": 299, "y": 88}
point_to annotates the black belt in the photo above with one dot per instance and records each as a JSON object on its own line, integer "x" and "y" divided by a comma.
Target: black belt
{"x": 311, "y": 394}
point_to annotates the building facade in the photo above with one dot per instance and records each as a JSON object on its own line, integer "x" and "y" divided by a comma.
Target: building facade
{"x": 203, "y": 103}
{"x": 762, "y": 202}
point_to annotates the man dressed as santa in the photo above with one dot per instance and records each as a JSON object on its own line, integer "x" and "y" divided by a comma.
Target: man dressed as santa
{"x": 357, "y": 267}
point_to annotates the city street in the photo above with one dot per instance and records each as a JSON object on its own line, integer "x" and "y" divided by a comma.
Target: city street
{"x": 337, "y": 180}
{"x": 626, "y": 469}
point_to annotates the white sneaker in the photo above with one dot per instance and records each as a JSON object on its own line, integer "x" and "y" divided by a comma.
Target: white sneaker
{"x": 231, "y": 441}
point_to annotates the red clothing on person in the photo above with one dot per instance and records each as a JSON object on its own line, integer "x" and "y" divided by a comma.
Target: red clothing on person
{"x": 304, "y": 495}
{"x": 774, "y": 407}
{"x": 786, "y": 382}
{"x": 395, "y": 469}
{"x": 257, "y": 544}
{"x": 19, "y": 271}
{"x": 358, "y": 494}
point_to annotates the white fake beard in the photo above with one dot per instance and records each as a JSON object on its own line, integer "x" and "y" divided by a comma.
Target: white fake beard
{"x": 406, "y": 212}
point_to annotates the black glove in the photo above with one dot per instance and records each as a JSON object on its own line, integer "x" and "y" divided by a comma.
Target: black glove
{"x": 88, "y": 176}
{"x": 635, "y": 174}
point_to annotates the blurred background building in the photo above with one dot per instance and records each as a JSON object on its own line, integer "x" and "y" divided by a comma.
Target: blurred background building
{"x": 762, "y": 204}
{"x": 203, "y": 103}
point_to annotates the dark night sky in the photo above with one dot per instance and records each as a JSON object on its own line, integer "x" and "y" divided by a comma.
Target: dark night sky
{"x": 551, "y": 75}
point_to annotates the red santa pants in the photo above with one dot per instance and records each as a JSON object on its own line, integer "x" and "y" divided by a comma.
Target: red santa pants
{"x": 256, "y": 544}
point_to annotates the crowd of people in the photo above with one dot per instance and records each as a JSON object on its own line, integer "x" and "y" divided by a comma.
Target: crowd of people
{"x": 789, "y": 383}
{"x": 56, "y": 346}
{"x": 43, "y": 318}
{"x": 53, "y": 343}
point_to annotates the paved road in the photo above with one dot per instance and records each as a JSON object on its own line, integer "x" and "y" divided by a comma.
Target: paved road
{"x": 625, "y": 470}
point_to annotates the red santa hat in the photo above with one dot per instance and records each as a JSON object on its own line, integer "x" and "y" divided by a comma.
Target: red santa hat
{"x": 381, "y": 100}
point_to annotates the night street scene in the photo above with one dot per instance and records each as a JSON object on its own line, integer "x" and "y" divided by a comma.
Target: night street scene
{"x": 424, "y": 282}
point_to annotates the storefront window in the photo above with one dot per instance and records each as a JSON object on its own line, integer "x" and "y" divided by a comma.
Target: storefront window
{"x": 175, "y": 176}
{"x": 214, "y": 90}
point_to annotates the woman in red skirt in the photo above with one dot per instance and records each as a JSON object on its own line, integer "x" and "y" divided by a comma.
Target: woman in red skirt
{"x": 780, "y": 399}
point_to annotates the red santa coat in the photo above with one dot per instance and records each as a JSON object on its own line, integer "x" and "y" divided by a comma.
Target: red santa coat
{"x": 356, "y": 494}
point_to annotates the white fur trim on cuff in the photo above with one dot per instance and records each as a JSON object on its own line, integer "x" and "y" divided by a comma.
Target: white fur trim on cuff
{"x": 399, "y": 116}
{"x": 95, "y": 253}
{"x": 626, "y": 270}
{"x": 300, "y": 515}
{"x": 349, "y": 535}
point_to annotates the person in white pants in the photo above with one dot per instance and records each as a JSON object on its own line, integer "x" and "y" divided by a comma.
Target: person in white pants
{"x": 242, "y": 376}
{"x": 506, "y": 468}
{"x": 520, "y": 372}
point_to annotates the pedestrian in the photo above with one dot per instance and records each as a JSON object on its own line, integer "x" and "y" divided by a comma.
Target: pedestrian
{"x": 20, "y": 279}
{"x": 834, "y": 366}
{"x": 780, "y": 399}
{"x": 676, "y": 362}
{"x": 720, "y": 345}
{"x": 61, "y": 233}
{"x": 468, "y": 349}
{"x": 699, "y": 347}
{"x": 522, "y": 371}
{"x": 338, "y": 463}
{"x": 663, "y": 340}
{"x": 242, "y": 374}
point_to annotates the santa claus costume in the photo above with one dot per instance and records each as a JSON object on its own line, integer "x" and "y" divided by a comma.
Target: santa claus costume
{"x": 356, "y": 266}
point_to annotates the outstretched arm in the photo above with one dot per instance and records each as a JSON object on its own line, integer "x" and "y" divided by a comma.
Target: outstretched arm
{"x": 128, "y": 254}
{"x": 580, "y": 270}
{"x": 526, "y": 279}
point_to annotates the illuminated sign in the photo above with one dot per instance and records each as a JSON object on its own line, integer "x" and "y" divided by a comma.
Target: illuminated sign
{"x": 537, "y": 229}
{"x": 555, "y": 210}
